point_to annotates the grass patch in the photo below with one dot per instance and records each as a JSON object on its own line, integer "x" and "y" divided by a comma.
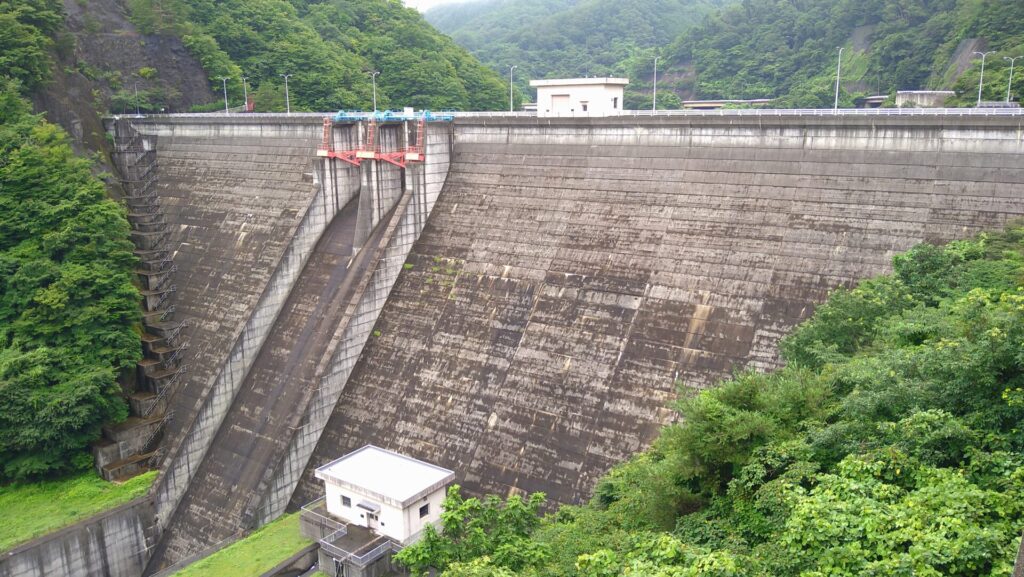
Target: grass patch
{"x": 34, "y": 509}
{"x": 255, "y": 554}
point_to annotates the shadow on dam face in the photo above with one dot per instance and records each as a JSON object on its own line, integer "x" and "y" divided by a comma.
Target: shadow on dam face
{"x": 575, "y": 274}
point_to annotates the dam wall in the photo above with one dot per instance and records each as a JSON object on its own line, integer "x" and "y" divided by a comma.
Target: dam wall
{"x": 244, "y": 214}
{"x": 301, "y": 339}
{"x": 112, "y": 544}
{"x": 575, "y": 274}
{"x": 422, "y": 192}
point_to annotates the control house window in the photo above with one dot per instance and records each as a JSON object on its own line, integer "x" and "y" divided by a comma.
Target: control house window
{"x": 345, "y": 501}
{"x": 424, "y": 510}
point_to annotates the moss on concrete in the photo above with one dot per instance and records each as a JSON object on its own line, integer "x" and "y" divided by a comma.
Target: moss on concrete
{"x": 254, "y": 555}
{"x": 34, "y": 509}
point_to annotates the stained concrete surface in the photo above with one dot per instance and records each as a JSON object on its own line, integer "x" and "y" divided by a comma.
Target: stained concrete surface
{"x": 255, "y": 430}
{"x": 575, "y": 273}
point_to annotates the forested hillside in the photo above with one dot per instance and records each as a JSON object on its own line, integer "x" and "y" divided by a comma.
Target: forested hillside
{"x": 329, "y": 48}
{"x": 782, "y": 49}
{"x": 890, "y": 445}
{"x": 67, "y": 303}
{"x": 569, "y": 38}
{"x": 788, "y": 48}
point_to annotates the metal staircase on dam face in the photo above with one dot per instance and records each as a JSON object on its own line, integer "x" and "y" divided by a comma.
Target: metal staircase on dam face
{"x": 132, "y": 447}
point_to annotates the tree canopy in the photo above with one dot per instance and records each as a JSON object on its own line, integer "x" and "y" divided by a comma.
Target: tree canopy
{"x": 569, "y": 38}
{"x": 67, "y": 302}
{"x": 890, "y": 444}
{"x": 329, "y": 49}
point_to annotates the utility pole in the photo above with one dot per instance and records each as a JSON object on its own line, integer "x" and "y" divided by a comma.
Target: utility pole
{"x": 511, "y": 69}
{"x": 1009, "y": 82}
{"x": 654, "y": 100}
{"x": 839, "y": 69}
{"x": 981, "y": 78}
{"x": 245, "y": 95}
{"x": 136, "y": 99}
{"x": 224, "y": 81}
{"x": 287, "y": 99}
{"x": 373, "y": 79}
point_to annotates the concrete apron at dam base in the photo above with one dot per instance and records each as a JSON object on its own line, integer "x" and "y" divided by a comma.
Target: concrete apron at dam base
{"x": 570, "y": 276}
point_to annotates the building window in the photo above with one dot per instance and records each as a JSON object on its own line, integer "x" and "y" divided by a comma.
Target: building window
{"x": 583, "y": 106}
{"x": 615, "y": 103}
{"x": 424, "y": 510}
{"x": 345, "y": 501}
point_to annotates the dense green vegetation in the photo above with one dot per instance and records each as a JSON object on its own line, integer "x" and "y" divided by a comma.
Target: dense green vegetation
{"x": 34, "y": 509}
{"x": 329, "y": 48}
{"x": 782, "y": 49}
{"x": 67, "y": 302}
{"x": 570, "y": 38}
{"x": 788, "y": 48}
{"x": 26, "y": 30}
{"x": 891, "y": 444}
{"x": 254, "y": 555}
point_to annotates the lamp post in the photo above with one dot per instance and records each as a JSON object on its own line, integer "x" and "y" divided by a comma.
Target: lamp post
{"x": 224, "y": 81}
{"x": 287, "y": 98}
{"x": 373, "y": 79}
{"x": 511, "y": 69}
{"x": 1009, "y": 82}
{"x": 654, "y": 100}
{"x": 839, "y": 69}
{"x": 981, "y": 78}
{"x": 245, "y": 95}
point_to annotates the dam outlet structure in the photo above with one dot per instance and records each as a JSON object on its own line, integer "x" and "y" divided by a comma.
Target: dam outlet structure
{"x": 521, "y": 305}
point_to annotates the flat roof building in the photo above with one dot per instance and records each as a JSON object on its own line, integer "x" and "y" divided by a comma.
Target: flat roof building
{"x": 376, "y": 501}
{"x": 579, "y": 96}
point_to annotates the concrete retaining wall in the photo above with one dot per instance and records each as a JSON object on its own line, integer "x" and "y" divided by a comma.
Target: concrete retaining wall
{"x": 574, "y": 273}
{"x": 113, "y": 544}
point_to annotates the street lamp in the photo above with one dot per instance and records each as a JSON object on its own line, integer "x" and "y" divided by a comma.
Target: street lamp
{"x": 511, "y": 69}
{"x": 373, "y": 79}
{"x": 1009, "y": 82}
{"x": 287, "y": 98}
{"x": 245, "y": 95}
{"x": 839, "y": 69}
{"x": 654, "y": 100}
{"x": 981, "y": 79}
{"x": 224, "y": 81}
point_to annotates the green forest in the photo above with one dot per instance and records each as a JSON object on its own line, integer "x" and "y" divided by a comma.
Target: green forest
{"x": 329, "y": 49}
{"x": 889, "y": 445}
{"x": 68, "y": 308}
{"x": 569, "y": 38}
{"x": 788, "y": 48}
{"x": 784, "y": 49}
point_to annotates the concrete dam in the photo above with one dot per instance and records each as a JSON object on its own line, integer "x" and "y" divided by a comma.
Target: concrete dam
{"x": 522, "y": 304}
